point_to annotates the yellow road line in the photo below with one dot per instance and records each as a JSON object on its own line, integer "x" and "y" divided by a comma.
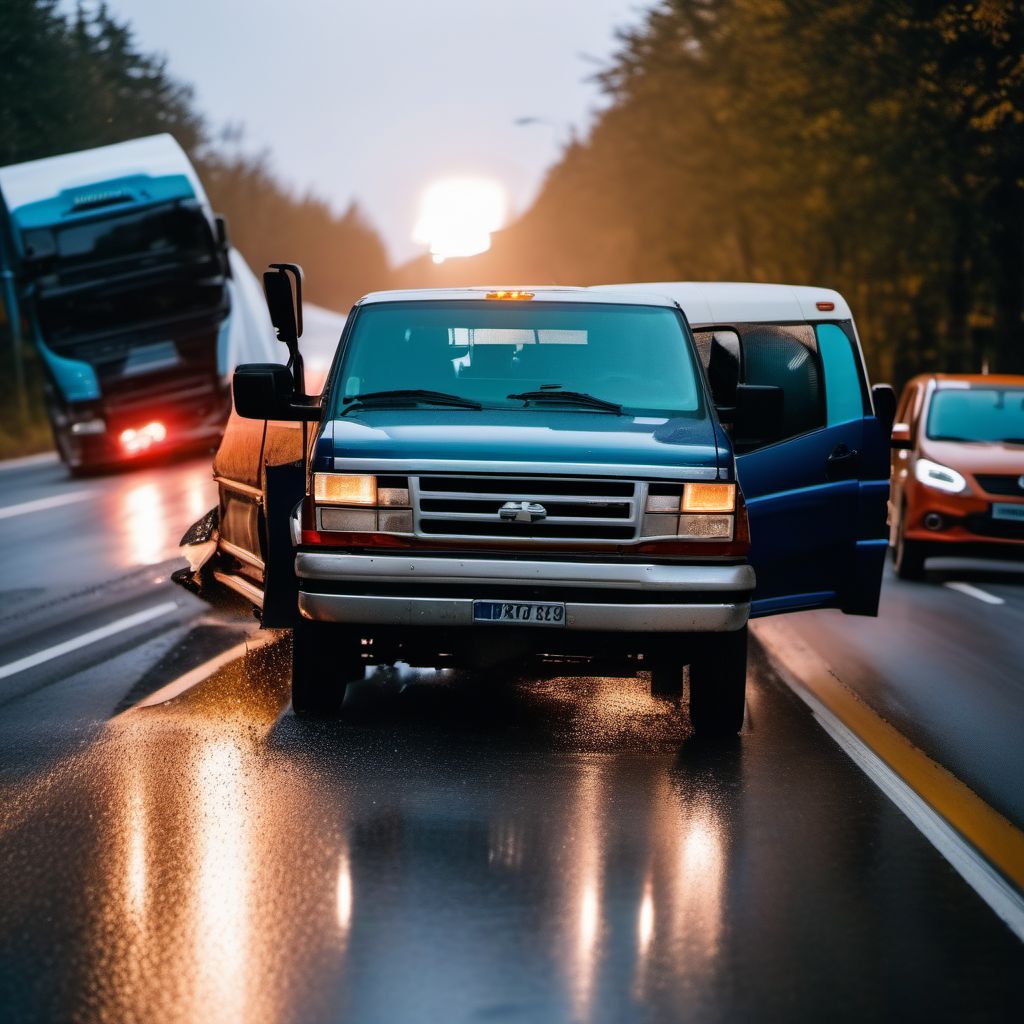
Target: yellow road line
{"x": 1000, "y": 842}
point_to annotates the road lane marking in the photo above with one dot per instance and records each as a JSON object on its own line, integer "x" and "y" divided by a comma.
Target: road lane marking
{"x": 94, "y": 635}
{"x": 975, "y": 592}
{"x": 42, "y": 504}
{"x": 984, "y": 848}
{"x": 202, "y": 672}
{"x": 42, "y": 459}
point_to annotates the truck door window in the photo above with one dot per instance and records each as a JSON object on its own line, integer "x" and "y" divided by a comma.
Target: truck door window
{"x": 719, "y": 351}
{"x": 787, "y": 357}
{"x": 844, "y": 387}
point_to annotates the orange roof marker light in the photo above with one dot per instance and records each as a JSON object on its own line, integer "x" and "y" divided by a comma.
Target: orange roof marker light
{"x": 513, "y": 294}
{"x": 825, "y": 307}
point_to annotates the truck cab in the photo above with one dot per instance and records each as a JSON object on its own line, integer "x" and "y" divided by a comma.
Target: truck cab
{"x": 544, "y": 476}
{"x": 120, "y": 273}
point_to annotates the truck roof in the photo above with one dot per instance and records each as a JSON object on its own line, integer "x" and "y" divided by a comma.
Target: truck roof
{"x": 723, "y": 302}
{"x": 625, "y": 295}
{"x": 704, "y": 302}
{"x": 154, "y": 155}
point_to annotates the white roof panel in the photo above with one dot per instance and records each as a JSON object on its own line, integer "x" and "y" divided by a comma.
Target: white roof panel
{"x": 722, "y": 302}
{"x": 626, "y": 295}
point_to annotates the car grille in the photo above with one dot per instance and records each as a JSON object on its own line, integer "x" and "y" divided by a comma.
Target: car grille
{"x": 1004, "y": 529}
{"x": 1001, "y": 483}
{"x": 580, "y": 509}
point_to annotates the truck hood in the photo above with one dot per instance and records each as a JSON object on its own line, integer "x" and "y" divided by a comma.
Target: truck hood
{"x": 524, "y": 436}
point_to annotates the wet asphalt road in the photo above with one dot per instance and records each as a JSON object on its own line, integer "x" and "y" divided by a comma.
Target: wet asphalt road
{"x": 457, "y": 849}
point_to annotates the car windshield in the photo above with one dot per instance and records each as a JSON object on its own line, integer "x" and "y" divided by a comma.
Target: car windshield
{"x": 499, "y": 354}
{"x": 977, "y": 414}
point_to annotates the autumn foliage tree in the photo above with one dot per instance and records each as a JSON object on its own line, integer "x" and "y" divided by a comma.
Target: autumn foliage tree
{"x": 876, "y": 146}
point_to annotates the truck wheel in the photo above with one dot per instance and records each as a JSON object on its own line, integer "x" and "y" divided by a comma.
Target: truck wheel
{"x": 718, "y": 679}
{"x": 908, "y": 557}
{"x": 325, "y": 659}
{"x": 666, "y": 679}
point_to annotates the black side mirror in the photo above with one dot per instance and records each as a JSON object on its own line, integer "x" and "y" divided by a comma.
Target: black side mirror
{"x": 266, "y": 391}
{"x": 758, "y": 416}
{"x": 883, "y": 398}
{"x": 286, "y": 313}
{"x": 221, "y": 227}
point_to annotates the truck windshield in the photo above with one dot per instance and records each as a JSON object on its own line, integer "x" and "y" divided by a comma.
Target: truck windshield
{"x": 977, "y": 414}
{"x": 519, "y": 355}
{"x": 172, "y": 232}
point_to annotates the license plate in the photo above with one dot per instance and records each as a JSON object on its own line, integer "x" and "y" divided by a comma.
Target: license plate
{"x": 520, "y": 613}
{"x": 1005, "y": 510}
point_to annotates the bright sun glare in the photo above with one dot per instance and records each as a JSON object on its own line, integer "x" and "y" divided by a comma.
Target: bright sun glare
{"x": 457, "y": 216}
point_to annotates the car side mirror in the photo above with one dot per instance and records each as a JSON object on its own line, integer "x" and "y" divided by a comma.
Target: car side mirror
{"x": 900, "y": 437}
{"x": 883, "y": 398}
{"x": 757, "y": 419}
{"x": 266, "y": 391}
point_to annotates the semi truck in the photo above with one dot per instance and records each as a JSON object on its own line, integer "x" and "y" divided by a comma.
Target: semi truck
{"x": 115, "y": 268}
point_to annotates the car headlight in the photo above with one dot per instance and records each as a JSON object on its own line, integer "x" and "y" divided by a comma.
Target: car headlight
{"x": 942, "y": 478}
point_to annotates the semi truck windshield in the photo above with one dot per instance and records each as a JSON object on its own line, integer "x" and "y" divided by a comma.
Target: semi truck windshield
{"x": 520, "y": 354}
{"x": 173, "y": 232}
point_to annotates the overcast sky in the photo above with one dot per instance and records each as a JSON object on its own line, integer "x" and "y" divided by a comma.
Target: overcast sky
{"x": 374, "y": 100}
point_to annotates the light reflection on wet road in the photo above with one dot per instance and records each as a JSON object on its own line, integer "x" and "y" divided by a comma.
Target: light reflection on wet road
{"x": 544, "y": 851}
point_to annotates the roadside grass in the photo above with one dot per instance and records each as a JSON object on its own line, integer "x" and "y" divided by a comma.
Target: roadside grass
{"x": 26, "y": 439}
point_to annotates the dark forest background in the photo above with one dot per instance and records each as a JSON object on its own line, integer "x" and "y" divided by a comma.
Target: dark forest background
{"x": 874, "y": 146}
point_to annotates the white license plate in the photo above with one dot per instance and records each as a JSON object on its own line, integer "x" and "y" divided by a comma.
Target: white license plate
{"x": 520, "y": 613}
{"x": 1004, "y": 510}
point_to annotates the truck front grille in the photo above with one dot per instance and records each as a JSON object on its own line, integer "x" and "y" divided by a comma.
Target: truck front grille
{"x": 559, "y": 509}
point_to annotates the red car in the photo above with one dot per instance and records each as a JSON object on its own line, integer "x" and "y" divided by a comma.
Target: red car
{"x": 957, "y": 469}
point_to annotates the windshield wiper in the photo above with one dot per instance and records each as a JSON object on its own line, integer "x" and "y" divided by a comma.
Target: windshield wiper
{"x": 407, "y": 396}
{"x": 1013, "y": 440}
{"x": 555, "y": 394}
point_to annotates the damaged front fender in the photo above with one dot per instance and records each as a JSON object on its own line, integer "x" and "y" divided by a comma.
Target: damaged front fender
{"x": 198, "y": 545}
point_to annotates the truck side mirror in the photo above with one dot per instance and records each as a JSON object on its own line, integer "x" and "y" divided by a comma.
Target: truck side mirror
{"x": 758, "y": 416}
{"x": 884, "y": 399}
{"x": 266, "y": 391}
{"x": 286, "y": 313}
{"x": 221, "y": 227}
{"x": 285, "y": 307}
{"x": 901, "y": 436}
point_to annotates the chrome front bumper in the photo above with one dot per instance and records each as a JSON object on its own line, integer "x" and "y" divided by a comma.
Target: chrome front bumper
{"x": 674, "y": 614}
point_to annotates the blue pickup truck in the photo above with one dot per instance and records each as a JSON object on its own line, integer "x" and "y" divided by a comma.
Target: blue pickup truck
{"x": 619, "y": 477}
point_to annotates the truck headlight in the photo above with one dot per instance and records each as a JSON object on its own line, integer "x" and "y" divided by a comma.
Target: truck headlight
{"x": 694, "y": 511}
{"x": 942, "y": 478}
{"x": 339, "y": 489}
{"x": 362, "y": 504}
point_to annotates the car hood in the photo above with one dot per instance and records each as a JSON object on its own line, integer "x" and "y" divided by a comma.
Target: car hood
{"x": 523, "y": 436}
{"x": 975, "y": 458}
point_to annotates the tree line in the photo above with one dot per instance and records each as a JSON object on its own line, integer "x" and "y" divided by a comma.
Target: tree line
{"x": 875, "y": 146}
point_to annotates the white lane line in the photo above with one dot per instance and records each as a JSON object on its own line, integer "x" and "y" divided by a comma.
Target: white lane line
{"x": 1002, "y": 898}
{"x": 202, "y": 672}
{"x": 976, "y": 592}
{"x": 42, "y": 504}
{"x": 75, "y": 643}
{"x": 42, "y": 459}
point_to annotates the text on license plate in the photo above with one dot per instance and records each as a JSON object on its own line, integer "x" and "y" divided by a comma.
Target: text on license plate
{"x": 523, "y": 613}
{"x": 1004, "y": 510}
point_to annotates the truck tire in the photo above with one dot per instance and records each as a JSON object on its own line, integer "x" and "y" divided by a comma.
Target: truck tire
{"x": 718, "y": 680}
{"x": 666, "y": 679}
{"x": 325, "y": 659}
